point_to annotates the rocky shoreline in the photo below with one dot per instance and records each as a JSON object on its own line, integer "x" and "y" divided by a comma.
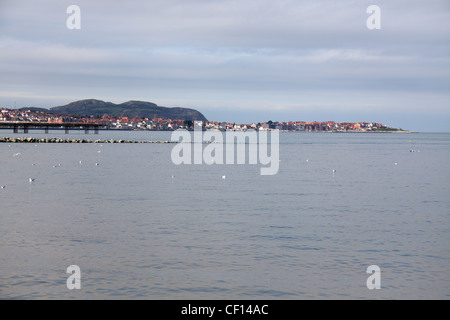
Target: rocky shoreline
{"x": 60, "y": 140}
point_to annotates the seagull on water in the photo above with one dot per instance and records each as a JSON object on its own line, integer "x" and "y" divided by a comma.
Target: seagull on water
{"x": 31, "y": 180}
{"x": 224, "y": 177}
{"x": 3, "y": 187}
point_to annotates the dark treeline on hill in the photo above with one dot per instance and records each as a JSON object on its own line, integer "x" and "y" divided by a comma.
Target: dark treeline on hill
{"x": 130, "y": 109}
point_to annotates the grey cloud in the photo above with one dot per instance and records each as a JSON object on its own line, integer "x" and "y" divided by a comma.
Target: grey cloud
{"x": 287, "y": 52}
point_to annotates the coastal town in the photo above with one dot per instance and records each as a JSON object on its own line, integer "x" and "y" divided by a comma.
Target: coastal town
{"x": 108, "y": 122}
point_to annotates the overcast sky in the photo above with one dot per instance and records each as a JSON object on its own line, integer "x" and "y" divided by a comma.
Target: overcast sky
{"x": 235, "y": 60}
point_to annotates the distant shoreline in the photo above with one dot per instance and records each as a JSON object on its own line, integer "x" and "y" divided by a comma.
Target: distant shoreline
{"x": 286, "y": 131}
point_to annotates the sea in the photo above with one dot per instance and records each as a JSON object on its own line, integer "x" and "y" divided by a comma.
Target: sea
{"x": 138, "y": 226}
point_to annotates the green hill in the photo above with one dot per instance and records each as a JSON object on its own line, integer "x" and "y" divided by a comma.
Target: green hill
{"x": 131, "y": 109}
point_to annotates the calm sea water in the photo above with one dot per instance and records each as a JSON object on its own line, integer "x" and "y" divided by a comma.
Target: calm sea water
{"x": 136, "y": 232}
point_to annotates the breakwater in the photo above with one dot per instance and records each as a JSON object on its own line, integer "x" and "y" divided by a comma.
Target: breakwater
{"x": 60, "y": 140}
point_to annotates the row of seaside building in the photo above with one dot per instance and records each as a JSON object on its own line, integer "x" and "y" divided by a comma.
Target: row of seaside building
{"x": 126, "y": 123}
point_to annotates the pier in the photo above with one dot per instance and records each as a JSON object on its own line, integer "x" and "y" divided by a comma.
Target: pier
{"x": 26, "y": 125}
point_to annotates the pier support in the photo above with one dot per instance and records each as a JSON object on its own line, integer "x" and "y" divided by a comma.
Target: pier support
{"x": 16, "y": 128}
{"x": 25, "y": 129}
{"x": 66, "y": 128}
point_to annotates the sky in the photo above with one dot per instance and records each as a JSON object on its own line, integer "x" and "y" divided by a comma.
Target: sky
{"x": 239, "y": 61}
